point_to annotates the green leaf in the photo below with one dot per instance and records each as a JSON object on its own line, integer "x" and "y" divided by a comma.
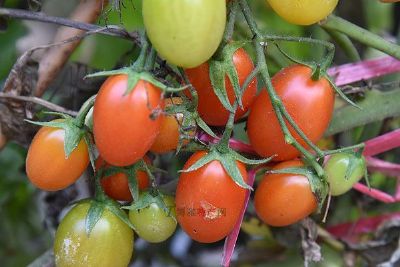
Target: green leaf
{"x": 94, "y": 214}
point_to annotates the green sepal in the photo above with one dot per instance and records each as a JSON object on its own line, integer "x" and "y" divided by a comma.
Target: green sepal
{"x": 205, "y": 127}
{"x": 219, "y": 69}
{"x": 247, "y": 161}
{"x": 134, "y": 77}
{"x": 93, "y": 216}
{"x": 115, "y": 208}
{"x": 73, "y": 134}
{"x": 91, "y": 149}
{"x": 294, "y": 60}
{"x": 210, "y": 156}
{"x": 149, "y": 197}
{"x": 340, "y": 92}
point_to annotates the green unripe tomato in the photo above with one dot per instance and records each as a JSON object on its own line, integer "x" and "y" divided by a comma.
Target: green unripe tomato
{"x": 152, "y": 223}
{"x": 110, "y": 242}
{"x": 343, "y": 170}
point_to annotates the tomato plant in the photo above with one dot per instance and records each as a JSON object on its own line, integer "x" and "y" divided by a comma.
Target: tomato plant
{"x": 46, "y": 164}
{"x": 152, "y": 223}
{"x": 126, "y": 125}
{"x": 284, "y": 199}
{"x": 208, "y": 202}
{"x": 303, "y": 12}
{"x": 343, "y": 170}
{"x": 110, "y": 242}
{"x": 309, "y": 103}
{"x": 209, "y": 107}
{"x": 116, "y": 186}
{"x": 185, "y": 33}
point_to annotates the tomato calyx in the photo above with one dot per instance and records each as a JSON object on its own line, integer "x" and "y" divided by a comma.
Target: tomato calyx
{"x": 227, "y": 157}
{"x": 222, "y": 65}
{"x": 149, "y": 197}
{"x": 319, "y": 186}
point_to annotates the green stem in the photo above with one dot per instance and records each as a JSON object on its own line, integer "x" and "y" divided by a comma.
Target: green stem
{"x": 138, "y": 65}
{"x": 224, "y": 142}
{"x": 80, "y": 118}
{"x": 362, "y": 35}
{"x": 344, "y": 149}
{"x": 249, "y": 19}
{"x": 151, "y": 60}
{"x": 99, "y": 192}
{"x": 345, "y": 43}
{"x": 192, "y": 90}
{"x": 230, "y": 26}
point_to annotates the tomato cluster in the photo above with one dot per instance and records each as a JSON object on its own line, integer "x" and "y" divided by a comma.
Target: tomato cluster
{"x": 130, "y": 121}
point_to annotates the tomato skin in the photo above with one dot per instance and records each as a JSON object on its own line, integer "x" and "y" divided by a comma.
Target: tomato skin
{"x": 152, "y": 223}
{"x": 110, "y": 243}
{"x": 335, "y": 169}
{"x": 310, "y": 104}
{"x": 208, "y": 201}
{"x": 46, "y": 165}
{"x": 168, "y": 138}
{"x": 124, "y": 126}
{"x": 117, "y": 187}
{"x": 284, "y": 199}
{"x": 184, "y": 32}
{"x": 209, "y": 107}
{"x": 304, "y": 12}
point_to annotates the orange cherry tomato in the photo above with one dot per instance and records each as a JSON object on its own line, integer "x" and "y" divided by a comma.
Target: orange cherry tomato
{"x": 284, "y": 199}
{"x": 208, "y": 201}
{"x": 209, "y": 107}
{"x": 310, "y": 104}
{"x": 46, "y": 165}
{"x": 126, "y": 125}
{"x": 117, "y": 187}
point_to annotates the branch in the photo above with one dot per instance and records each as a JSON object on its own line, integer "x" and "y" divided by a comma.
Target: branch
{"x": 39, "y": 101}
{"x": 42, "y": 17}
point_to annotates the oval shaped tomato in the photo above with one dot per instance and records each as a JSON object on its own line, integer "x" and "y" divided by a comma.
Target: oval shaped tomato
{"x": 46, "y": 165}
{"x": 336, "y": 168}
{"x": 304, "y": 12}
{"x": 209, "y": 107}
{"x": 168, "y": 138}
{"x": 208, "y": 201}
{"x": 309, "y": 103}
{"x": 284, "y": 199}
{"x": 152, "y": 223}
{"x": 184, "y": 32}
{"x": 126, "y": 125}
{"x": 109, "y": 244}
{"x": 117, "y": 187}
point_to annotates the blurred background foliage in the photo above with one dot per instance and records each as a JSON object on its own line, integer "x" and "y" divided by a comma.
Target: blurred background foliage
{"x": 23, "y": 236}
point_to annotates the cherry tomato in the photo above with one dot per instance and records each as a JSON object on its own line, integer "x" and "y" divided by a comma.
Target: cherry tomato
{"x": 168, "y": 138}
{"x": 304, "y": 12}
{"x": 284, "y": 199}
{"x": 184, "y": 32}
{"x": 109, "y": 244}
{"x": 209, "y": 107}
{"x": 46, "y": 165}
{"x": 208, "y": 201}
{"x": 309, "y": 103}
{"x": 336, "y": 168}
{"x": 117, "y": 187}
{"x": 125, "y": 126}
{"x": 152, "y": 223}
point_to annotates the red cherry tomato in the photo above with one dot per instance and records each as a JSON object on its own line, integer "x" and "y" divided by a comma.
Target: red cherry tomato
{"x": 125, "y": 126}
{"x": 209, "y": 107}
{"x": 46, "y": 165}
{"x": 309, "y": 103}
{"x": 208, "y": 201}
{"x": 284, "y": 199}
{"x": 116, "y": 186}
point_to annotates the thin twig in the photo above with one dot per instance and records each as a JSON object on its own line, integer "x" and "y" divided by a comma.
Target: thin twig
{"x": 41, "y": 102}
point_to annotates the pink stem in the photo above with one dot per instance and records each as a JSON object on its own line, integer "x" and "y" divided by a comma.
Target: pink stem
{"x": 230, "y": 240}
{"x": 233, "y": 143}
{"x": 364, "y": 70}
{"x": 397, "y": 194}
{"x": 374, "y": 193}
{"x": 362, "y": 226}
{"x": 382, "y": 143}
{"x": 378, "y": 165}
